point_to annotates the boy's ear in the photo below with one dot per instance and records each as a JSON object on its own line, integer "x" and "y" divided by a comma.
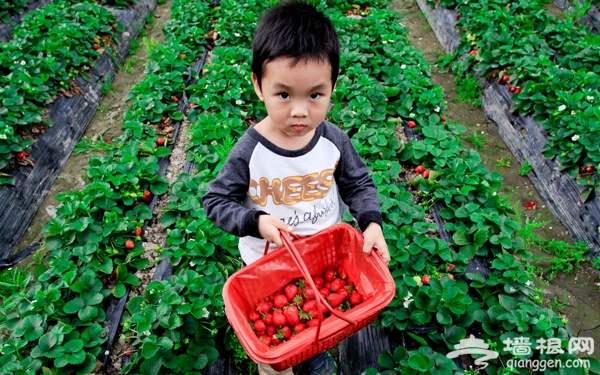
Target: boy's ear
{"x": 257, "y": 89}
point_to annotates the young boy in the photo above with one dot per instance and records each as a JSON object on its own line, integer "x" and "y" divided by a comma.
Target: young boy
{"x": 292, "y": 170}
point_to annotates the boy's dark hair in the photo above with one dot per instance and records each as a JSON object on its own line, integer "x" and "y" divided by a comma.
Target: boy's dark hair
{"x": 297, "y": 30}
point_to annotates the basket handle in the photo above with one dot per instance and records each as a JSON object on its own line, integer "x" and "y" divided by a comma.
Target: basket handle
{"x": 320, "y": 299}
{"x": 282, "y": 234}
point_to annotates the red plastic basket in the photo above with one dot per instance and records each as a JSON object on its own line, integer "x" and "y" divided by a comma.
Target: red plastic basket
{"x": 339, "y": 244}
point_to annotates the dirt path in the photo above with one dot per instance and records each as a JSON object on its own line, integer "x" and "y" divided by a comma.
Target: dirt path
{"x": 575, "y": 295}
{"x": 105, "y": 124}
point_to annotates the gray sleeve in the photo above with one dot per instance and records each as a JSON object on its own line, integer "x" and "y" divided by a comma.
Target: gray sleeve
{"x": 355, "y": 184}
{"x": 223, "y": 200}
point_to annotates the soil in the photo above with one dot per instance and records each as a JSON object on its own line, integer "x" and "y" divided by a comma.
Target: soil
{"x": 577, "y": 293}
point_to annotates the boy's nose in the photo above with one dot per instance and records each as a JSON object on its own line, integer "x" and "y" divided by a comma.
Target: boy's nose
{"x": 299, "y": 109}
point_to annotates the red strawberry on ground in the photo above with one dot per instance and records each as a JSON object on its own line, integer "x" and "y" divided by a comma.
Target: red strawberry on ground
{"x": 290, "y": 291}
{"x": 451, "y": 267}
{"x": 412, "y": 124}
{"x": 505, "y": 78}
{"x": 419, "y": 169}
{"x": 472, "y": 53}
{"x": 129, "y": 244}
{"x": 21, "y": 155}
{"x": 589, "y": 168}
{"x": 160, "y": 141}
{"x": 444, "y": 119}
{"x": 425, "y": 174}
{"x": 425, "y": 279}
{"x": 138, "y": 231}
{"x": 280, "y": 301}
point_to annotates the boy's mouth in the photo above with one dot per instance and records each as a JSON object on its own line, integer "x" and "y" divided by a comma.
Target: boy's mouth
{"x": 298, "y": 127}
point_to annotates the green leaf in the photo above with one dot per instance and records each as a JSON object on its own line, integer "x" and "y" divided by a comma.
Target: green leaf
{"x": 418, "y": 339}
{"x": 454, "y": 334}
{"x": 151, "y": 366}
{"x": 119, "y": 290}
{"x": 461, "y": 238}
{"x": 149, "y": 349}
{"x": 74, "y": 306}
{"x": 507, "y": 302}
{"x": 480, "y": 237}
{"x": 386, "y": 360}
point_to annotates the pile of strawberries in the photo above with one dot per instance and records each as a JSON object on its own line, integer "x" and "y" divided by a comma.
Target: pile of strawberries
{"x": 283, "y": 315}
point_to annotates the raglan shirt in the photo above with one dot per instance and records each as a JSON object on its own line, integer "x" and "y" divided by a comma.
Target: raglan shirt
{"x": 304, "y": 188}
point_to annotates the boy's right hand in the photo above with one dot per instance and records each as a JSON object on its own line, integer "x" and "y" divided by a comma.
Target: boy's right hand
{"x": 268, "y": 227}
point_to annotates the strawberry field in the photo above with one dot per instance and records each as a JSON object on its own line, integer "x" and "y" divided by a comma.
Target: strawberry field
{"x": 130, "y": 272}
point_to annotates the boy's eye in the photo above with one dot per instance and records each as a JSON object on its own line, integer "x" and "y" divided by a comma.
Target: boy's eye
{"x": 315, "y": 96}
{"x": 284, "y": 95}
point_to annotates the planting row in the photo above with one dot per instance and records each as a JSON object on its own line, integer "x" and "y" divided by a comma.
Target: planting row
{"x": 584, "y": 12}
{"x": 59, "y": 81}
{"x": 95, "y": 237}
{"x": 385, "y": 82}
{"x": 558, "y": 87}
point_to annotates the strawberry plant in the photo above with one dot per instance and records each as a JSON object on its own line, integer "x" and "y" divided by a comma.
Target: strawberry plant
{"x": 11, "y": 7}
{"x": 184, "y": 314}
{"x": 559, "y": 87}
{"x": 35, "y": 68}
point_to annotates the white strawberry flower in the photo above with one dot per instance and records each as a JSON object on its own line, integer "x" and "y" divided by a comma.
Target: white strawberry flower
{"x": 192, "y": 264}
{"x": 590, "y": 98}
{"x": 402, "y": 66}
{"x": 239, "y": 102}
{"x": 147, "y": 333}
{"x": 384, "y": 41}
{"x": 575, "y": 137}
{"x": 2, "y": 136}
{"x": 237, "y": 35}
{"x": 407, "y": 302}
{"x": 562, "y": 108}
{"x": 437, "y": 109}
{"x": 23, "y": 62}
{"x": 205, "y": 312}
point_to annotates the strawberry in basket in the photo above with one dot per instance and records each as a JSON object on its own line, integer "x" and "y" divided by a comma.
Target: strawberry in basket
{"x": 284, "y": 314}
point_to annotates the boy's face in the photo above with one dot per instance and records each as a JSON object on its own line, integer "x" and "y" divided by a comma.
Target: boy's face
{"x": 296, "y": 97}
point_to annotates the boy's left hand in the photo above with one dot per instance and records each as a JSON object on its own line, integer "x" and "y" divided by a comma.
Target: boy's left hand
{"x": 374, "y": 240}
